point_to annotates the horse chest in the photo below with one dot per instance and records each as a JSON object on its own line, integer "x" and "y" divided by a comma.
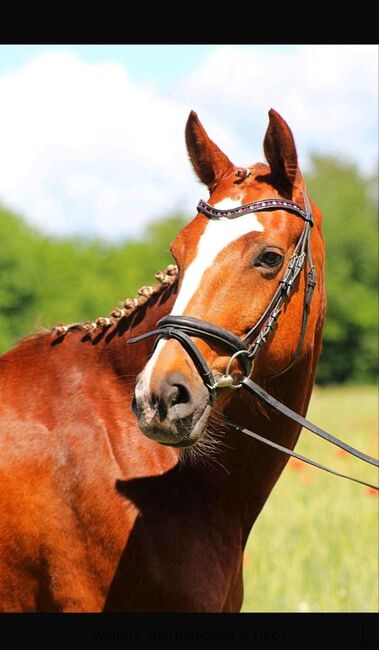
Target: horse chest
{"x": 175, "y": 561}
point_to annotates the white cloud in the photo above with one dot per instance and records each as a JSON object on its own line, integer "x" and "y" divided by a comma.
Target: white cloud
{"x": 327, "y": 93}
{"x": 85, "y": 149}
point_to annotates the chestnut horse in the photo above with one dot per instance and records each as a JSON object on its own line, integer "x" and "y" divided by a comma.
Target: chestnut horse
{"x": 96, "y": 516}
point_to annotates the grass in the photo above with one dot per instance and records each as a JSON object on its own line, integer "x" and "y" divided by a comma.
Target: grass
{"x": 314, "y": 547}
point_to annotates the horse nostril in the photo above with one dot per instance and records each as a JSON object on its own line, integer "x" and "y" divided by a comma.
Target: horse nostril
{"x": 181, "y": 396}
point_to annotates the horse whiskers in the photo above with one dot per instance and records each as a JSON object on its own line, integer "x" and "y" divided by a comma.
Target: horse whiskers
{"x": 206, "y": 449}
{"x": 203, "y": 452}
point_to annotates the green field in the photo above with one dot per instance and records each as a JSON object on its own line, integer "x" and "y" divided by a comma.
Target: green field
{"x": 314, "y": 547}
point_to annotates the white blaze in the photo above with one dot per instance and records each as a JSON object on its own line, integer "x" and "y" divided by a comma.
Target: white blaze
{"x": 218, "y": 234}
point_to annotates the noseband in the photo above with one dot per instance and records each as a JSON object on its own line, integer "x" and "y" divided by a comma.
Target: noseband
{"x": 182, "y": 328}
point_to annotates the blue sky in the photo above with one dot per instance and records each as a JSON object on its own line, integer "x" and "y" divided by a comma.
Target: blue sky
{"x": 156, "y": 63}
{"x": 91, "y": 136}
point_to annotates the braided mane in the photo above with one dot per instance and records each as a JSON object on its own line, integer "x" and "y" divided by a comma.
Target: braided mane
{"x": 126, "y": 308}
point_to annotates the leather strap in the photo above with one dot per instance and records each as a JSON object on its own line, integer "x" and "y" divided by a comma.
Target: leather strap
{"x": 294, "y": 454}
{"x": 203, "y": 329}
{"x": 289, "y": 413}
{"x": 195, "y": 326}
{"x": 182, "y": 327}
{"x": 189, "y": 346}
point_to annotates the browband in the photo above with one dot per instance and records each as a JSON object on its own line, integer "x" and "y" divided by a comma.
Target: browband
{"x": 256, "y": 206}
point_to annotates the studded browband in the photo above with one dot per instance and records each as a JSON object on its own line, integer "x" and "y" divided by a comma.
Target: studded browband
{"x": 256, "y": 206}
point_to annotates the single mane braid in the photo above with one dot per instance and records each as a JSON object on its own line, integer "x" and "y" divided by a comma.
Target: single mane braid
{"x": 126, "y": 308}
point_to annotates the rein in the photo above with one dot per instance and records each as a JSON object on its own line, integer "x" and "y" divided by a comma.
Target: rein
{"x": 182, "y": 328}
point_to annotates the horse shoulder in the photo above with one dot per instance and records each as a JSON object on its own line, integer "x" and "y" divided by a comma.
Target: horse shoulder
{"x": 62, "y": 521}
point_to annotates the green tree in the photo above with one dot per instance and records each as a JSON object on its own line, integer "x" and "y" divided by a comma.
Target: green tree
{"x": 349, "y": 207}
{"x": 18, "y": 266}
{"x": 44, "y": 281}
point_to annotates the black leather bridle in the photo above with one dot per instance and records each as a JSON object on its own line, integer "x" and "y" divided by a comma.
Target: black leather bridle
{"x": 182, "y": 328}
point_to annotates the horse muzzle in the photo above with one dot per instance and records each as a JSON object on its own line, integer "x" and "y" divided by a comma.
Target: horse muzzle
{"x": 174, "y": 412}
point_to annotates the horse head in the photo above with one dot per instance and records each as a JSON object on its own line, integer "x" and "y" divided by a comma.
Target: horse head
{"x": 231, "y": 268}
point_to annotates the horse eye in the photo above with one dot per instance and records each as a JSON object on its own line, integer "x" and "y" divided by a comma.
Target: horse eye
{"x": 269, "y": 260}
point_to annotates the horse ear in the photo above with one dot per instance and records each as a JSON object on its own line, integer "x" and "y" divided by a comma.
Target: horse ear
{"x": 280, "y": 151}
{"x": 209, "y": 162}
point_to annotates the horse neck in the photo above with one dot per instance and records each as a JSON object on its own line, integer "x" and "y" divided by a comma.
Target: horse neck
{"x": 242, "y": 472}
{"x": 251, "y": 468}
